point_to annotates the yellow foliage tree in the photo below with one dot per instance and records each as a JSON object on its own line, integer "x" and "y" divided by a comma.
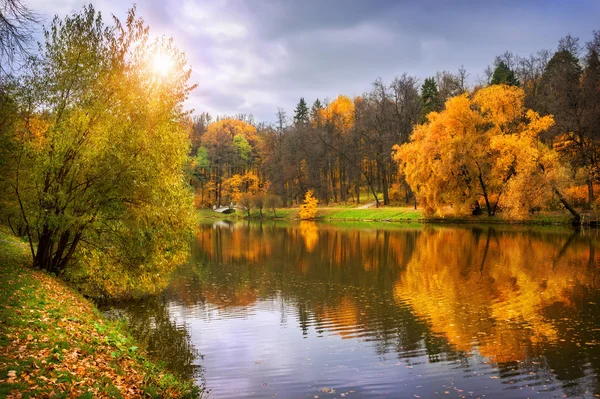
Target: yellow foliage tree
{"x": 231, "y": 128}
{"x": 482, "y": 147}
{"x": 308, "y": 209}
{"x": 340, "y": 114}
{"x": 233, "y": 187}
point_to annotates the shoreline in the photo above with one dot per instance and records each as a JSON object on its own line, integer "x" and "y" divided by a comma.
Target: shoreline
{"x": 387, "y": 215}
{"x": 54, "y": 341}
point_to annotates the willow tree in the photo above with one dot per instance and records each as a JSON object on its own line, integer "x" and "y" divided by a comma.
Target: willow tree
{"x": 97, "y": 166}
{"x": 483, "y": 148}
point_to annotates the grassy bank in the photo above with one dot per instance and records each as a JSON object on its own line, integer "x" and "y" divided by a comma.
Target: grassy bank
{"x": 55, "y": 343}
{"x": 387, "y": 214}
{"x": 337, "y": 213}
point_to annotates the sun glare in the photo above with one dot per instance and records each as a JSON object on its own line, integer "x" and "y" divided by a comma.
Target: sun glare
{"x": 162, "y": 64}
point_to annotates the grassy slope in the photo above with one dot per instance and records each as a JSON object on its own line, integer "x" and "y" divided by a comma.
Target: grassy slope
{"x": 55, "y": 343}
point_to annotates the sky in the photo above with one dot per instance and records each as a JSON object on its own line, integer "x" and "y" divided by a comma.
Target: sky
{"x": 253, "y": 56}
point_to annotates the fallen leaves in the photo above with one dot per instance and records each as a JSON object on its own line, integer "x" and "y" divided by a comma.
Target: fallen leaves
{"x": 56, "y": 343}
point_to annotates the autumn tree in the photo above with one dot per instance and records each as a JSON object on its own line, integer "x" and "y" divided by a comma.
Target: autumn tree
{"x": 247, "y": 202}
{"x": 200, "y": 171}
{"x": 529, "y": 71}
{"x": 97, "y": 167}
{"x": 483, "y": 147}
{"x": 308, "y": 209}
{"x": 451, "y": 84}
{"x": 387, "y": 118}
{"x": 229, "y": 144}
{"x": 259, "y": 201}
{"x": 272, "y": 201}
{"x": 199, "y": 127}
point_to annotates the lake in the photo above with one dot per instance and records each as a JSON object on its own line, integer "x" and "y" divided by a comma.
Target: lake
{"x": 362, "y": 310}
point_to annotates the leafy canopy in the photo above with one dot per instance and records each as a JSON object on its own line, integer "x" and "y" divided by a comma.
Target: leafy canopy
{"x": 482, "y": 147}
{"x": 96, "y": 171}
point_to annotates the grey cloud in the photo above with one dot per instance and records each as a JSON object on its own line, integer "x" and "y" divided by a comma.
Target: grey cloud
{"x": 254, "y": 56}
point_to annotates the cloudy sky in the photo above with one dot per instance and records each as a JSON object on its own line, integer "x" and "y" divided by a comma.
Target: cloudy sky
{"x": 252, "y": 56}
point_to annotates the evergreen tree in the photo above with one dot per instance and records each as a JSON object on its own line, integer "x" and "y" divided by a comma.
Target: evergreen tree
{"x": 504, "y": 75}
{"x": 315, "y": 111}
{"x": 301, "y": 112}
{"x": 563, "y": 98}
{"x": 430, "y": 98}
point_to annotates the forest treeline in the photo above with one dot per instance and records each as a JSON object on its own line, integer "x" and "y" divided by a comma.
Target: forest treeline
{"x": 532, "y": 143}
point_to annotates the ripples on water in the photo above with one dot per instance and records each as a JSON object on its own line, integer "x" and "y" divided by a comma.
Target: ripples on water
{"x": 311, "y": 310}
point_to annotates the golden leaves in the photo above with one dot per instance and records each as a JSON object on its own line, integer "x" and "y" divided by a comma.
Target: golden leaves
{"x": 308, "y": 209}
{"x": 230, "y": 128}
{"x": 340, "y": 114}
{"x": 500, "y": 104}
{"x": 481, "y": 148}
{"x": 473, "y": 289}
{"x": 65, "y": 347}
{"x": 310, "y": 232}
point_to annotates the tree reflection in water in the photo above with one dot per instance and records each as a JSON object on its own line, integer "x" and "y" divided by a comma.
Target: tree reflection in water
{"x": 523, "y": 298}
{"x": 159, "y": 335}
{"x": 523, "y": 301}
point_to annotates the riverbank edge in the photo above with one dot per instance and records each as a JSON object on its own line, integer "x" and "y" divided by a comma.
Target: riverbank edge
{"x": 55, "y": 343}
{"x": 387, "y": 215}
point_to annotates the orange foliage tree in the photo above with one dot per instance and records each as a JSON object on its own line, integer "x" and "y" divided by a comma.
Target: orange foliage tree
{"x": 483, "y": 147}
{"x": 340, "y": 114}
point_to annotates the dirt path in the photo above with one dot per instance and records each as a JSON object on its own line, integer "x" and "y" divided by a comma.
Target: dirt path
{"x": 367, "y": 206}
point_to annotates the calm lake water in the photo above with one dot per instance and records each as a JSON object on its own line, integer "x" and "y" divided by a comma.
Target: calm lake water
{"x": 366, "y": 311}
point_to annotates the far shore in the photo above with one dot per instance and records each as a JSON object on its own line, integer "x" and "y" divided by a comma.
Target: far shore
{"x": 387, "y": 214}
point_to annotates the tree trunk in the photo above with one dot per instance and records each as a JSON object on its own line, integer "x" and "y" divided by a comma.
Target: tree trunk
{"x": 386, "y": 190}
{"x": 561, "y": 198}
{"x": 43, "y": 258}
{"x": 490, "y": 211}
{"x": 590, "y": 185}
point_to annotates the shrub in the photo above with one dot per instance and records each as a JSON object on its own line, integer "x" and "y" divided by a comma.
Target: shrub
{"x": 308, "y": 209}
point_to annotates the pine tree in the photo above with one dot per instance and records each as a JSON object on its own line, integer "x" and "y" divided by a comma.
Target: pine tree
{"x": 301, "y": 112}
{"x": 315, "y": 111}
{"x": 504, "y": 75}
{"x": 430, "y": 98}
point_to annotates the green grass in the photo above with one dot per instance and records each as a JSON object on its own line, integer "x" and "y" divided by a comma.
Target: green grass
{"x": 55, "y": 343}
{"x": 267, "y": 214}
{"x": 386, "y": 214}
{"x": 372, "y": 214}
{"x": 337, "y": 213}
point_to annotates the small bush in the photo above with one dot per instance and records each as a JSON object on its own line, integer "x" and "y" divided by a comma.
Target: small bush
{"x": 308, "y": 209}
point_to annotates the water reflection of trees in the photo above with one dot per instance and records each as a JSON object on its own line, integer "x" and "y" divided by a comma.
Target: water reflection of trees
{"x": 160, "y": 336}
{"x": 523, "y": 298}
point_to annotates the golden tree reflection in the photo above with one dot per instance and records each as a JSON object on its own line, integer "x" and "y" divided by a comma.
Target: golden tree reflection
{"x": 310, "y": 232}
{"x": 472, "y": 289}
{"x": 488, "y": 290}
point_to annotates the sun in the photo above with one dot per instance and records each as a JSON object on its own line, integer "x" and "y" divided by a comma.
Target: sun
{"x": 161, "y": 64}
